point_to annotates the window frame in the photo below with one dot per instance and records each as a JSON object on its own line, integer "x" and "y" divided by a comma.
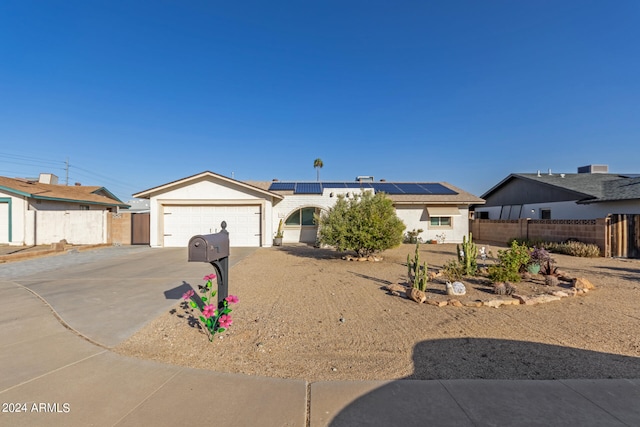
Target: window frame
{"x": 301, "y": 217}
{"x": 440, "y": 225}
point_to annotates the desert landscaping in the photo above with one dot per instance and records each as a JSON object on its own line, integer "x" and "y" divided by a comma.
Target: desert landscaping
{"x": 307, "y": 313}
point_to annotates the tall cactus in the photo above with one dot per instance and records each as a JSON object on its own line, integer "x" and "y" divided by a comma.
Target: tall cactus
{"x": 417, "y": 273}
{"x": 467, "y": 255}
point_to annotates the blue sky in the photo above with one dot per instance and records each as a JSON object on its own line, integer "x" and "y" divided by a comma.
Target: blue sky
{"x": 137, "y": 94}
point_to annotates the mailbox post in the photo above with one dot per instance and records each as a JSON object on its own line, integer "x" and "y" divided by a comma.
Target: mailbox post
{"x": 214, "y": 249}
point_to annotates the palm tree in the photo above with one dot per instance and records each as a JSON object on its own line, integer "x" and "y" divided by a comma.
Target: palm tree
{"x": 317, "y": 163}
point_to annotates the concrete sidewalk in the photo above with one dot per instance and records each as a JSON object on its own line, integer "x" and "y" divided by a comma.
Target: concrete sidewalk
{"x": 49, "y": 375}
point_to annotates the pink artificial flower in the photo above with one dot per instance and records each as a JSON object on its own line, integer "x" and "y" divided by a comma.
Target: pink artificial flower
{"x": 188, "y": 294}
{"x": 209, "y": 310}
{"x": 225, "y": 321}
{"x": 210, "y": 276}
{"x": 232, "y": 299}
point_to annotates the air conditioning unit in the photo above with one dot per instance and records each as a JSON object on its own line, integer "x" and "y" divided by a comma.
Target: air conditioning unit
{"x": 594, "y": 169}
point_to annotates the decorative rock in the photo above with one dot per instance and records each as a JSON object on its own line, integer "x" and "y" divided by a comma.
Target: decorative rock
{"x": 472, "y": 303}
{"x": 536, "y": 299}
{"x": 362, "y": 259}
{"x": 582, "y": 283}
{"x": 561, "y": 294}
{"x": 456, "y": 288}
{"x": 417, "y": 295}
{"x": 495, "y": 303}
{"x": 433, "y": 274}
{"x": 437, "y": 303}
{"x": 395, "y": 289}
{"x": 454, "y": 302}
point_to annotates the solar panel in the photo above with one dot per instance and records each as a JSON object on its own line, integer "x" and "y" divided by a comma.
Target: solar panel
{"x": 436, "y": 188}
{"x": 334, "y": 185}
{"x": 282, "y": 186}
{"x": 308, "y": 188}
{"x": 386, "y": 187}
{"x": 411, "y": 188}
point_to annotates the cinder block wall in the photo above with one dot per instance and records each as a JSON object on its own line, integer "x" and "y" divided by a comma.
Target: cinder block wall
{"x": 552, "y": 230}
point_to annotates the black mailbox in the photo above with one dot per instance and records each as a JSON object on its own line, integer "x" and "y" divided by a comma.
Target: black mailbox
{"x": 209, "y": 247}
{"x": 214, "y": 249}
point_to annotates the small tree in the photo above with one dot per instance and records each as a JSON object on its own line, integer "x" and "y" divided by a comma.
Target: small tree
{"x": 365, "y": 224}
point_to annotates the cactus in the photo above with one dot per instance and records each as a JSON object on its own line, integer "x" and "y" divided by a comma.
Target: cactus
{"x": 467, "y": 254}
{"x": 417, "y": 273}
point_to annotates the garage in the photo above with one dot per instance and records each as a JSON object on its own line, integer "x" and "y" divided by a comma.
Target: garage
{"x": 183, "y": 222}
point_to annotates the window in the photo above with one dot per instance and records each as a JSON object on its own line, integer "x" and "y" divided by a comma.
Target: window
{"x": 84, "y": 207}
{"x": 545, "y": 213}
{"x": 302, "y": 216}
{"x": 483, "y": 215}
{"x": 440, "y": 221}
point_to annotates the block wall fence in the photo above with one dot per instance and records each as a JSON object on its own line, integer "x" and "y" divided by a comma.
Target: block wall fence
{"x": 594, "y": 231}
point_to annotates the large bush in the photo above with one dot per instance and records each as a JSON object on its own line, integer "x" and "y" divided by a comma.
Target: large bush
{"x": 365, "y": 224}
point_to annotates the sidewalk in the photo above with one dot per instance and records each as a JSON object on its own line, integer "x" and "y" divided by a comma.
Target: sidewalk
{"x": 55, "y": 377}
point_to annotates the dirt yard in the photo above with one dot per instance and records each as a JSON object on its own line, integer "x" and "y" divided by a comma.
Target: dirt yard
{"x": 305, "y": 313}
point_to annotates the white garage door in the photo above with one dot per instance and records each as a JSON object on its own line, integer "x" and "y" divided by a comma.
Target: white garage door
{"x": 4, "y": 222}
{"x": 183, "y": 222}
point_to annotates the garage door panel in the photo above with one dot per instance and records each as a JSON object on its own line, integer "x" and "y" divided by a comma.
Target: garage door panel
{"x": 183, "y": 222}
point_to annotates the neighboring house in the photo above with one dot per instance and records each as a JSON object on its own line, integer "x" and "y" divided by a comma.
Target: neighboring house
{"x": 40, "y": 211}
{"x": 199, "y": 203}
{"x": 589, "y": 194}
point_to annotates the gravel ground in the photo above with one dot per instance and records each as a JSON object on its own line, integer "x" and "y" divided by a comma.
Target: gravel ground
{"x": 306, "y": 313}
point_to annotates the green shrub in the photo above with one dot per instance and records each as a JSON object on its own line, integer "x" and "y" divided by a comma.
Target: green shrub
{"x": 511, "y": 262}
{"x": 570, "y": 247}
{"x": 578, "y": 249}
{"x": 412, "y": 236}
{"x": 453, "y": 271}
{"x": 365, "y": 224}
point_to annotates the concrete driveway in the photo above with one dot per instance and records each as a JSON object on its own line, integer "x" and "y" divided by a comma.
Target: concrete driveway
{"x": 108, "y": 294}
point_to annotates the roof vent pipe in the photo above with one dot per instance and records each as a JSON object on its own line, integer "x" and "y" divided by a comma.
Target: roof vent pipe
{"x": 550, "y": 172}
{"x": 539, "y": 172}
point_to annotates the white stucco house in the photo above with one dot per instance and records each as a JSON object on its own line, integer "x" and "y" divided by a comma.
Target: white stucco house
{"x": 252, "y": 210}
{"x": 38, "y": 211}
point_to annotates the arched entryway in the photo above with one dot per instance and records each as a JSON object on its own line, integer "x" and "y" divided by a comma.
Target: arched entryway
{"x": 300, "y": 226}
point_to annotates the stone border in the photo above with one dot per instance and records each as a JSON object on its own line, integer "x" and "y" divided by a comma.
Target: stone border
{"x": 581, "y": 287}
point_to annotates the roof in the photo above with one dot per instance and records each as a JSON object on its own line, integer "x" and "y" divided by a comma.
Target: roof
{"x": 589, "y": 187}
{"x": 206, "y": 174}
{"x": 91, "y": 195}
{"x": 619, "y": 189}
{"x": 399, "y": 192}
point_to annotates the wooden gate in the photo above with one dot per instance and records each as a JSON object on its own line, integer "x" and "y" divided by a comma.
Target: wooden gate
{"x": 625, "y": 235}
{"x": 140, "y": 234}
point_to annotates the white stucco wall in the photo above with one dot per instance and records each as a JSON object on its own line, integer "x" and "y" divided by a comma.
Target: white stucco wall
{"x": 417, "y": 217}
{"x": 16, "y": 220}
{"x": 292, "y": 202}
{"x": 414, "y": 217}
{"x": 76, "y": 227}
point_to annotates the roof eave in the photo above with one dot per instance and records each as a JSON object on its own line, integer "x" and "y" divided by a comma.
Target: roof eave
{"x": 146, "y": 194}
